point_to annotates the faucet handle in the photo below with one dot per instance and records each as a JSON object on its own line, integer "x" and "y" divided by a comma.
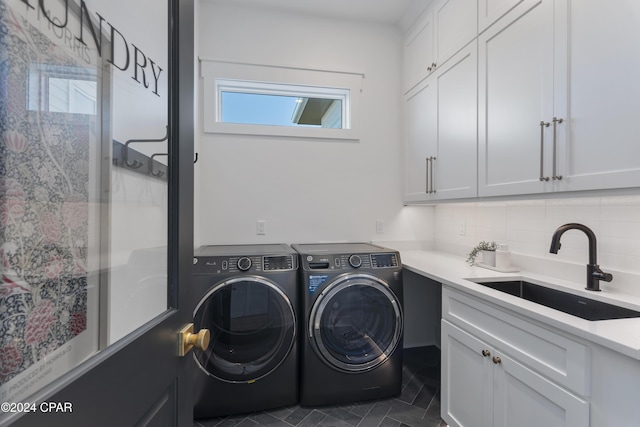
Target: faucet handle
{"x": 601, "y": 275}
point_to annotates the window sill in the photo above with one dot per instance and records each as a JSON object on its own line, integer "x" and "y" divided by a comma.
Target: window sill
{"x": 300, "y": 132}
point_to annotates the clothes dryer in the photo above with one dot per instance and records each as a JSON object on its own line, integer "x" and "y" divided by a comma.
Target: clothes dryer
{"x": 249, "y": 304}
{"x": 352, "y": 327}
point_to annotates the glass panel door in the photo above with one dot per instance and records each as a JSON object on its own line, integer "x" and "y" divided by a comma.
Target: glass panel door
{"x": 83, "y": 181}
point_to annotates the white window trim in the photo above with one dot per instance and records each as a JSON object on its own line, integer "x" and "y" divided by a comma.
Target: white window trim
{"x": 217, "y": 74}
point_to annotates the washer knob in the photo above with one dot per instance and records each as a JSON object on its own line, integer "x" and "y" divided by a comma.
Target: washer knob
{"x": 355, "y": 261}
{"x": 244, "y": 263}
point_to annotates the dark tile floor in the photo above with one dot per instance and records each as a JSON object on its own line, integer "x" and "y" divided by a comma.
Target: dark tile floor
{"x": 417, "y": 405}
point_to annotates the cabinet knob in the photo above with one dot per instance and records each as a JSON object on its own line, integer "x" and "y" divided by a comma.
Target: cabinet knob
{"x": 433, "y": 65}
{"x": 496, "y": 360}
{"x": 486, "y": 353}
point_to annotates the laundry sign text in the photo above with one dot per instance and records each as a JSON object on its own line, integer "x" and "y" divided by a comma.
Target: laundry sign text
{"x": 92, "y": 29}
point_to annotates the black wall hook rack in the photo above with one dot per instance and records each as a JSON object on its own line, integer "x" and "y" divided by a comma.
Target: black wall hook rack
{"x": 126, "y": 157}
{"x": 157, "y": 173}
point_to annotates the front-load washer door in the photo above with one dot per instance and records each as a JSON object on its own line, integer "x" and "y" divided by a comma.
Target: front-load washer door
{"x": 252, "y": 325}
{"x": 356, "y": 323}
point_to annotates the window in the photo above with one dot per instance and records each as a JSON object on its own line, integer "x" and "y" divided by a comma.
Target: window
{"x": 272, "y": 104}
{"x": 62, "y": 89}
{"x": 282, "y": 101}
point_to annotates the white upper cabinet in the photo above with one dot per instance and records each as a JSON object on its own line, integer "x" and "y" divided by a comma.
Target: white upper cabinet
{"x": 421, "y": 131}
{"x": 439, "y": 33}
{"x": 489, "y": 11}
{"x": 455, "y": 24}
{"x": 516, "y": 103}
{"x": 602, "y": 127}
{"x": 559, "y": 98}
{"x": 418, "y": 54}
{"x": 441, "y": 114}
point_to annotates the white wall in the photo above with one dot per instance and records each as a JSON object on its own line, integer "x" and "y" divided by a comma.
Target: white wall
{"x": 527, "y": 226}
{"x": 306, "y": 190}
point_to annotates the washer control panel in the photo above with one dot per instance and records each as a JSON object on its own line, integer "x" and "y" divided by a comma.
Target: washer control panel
{"x": 351, "y": 261}
{"x": 244, "y": 264}
{"x": 389, "y": 260}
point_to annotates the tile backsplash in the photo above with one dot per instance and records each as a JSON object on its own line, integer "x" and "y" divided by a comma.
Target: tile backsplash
{"x": 527, "y": 227}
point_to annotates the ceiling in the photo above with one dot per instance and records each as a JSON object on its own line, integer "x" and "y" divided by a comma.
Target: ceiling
{"x": 380, "y": 11}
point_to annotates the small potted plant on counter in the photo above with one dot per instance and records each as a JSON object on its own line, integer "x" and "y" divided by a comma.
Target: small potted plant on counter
{"x": 488, "y": 251}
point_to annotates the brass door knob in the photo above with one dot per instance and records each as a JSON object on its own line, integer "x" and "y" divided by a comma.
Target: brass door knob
{"x": 187, "y": 339}
{"x": 199, "y": 340}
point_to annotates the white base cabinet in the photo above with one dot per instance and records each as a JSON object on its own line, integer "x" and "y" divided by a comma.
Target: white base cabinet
{"x": 484, "y": 387}
{"x": 500, "y": 370}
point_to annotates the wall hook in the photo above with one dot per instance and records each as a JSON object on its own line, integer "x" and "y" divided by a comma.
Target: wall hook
{"x": 151, "y": 171}
{"x": 135, "y": 164}
{"x": 196, "y": 160}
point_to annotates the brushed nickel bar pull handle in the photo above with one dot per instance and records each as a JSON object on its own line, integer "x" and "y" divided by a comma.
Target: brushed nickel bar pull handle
{"x": 543, "y": 125}
{"x": 431, "y": 179}
{"x": 426, "y": 174}
{"x": 555, "y": 151}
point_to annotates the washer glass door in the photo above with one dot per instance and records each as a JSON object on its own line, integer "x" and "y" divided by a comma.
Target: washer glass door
{"x": 252, "y": 326}
{"x": 356, "y": 323}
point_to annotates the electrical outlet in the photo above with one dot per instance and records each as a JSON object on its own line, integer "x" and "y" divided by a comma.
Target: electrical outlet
{"x": 261, "y": 227}
{"x": 379, "y": 227}
{"x": 462, "y": 229}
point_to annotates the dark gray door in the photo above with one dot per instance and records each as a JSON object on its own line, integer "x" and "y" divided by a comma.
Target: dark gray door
{"x": 81, "y": 87}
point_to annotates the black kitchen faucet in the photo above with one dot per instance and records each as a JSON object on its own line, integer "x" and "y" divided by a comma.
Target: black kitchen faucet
{"x": 594, "y": 274}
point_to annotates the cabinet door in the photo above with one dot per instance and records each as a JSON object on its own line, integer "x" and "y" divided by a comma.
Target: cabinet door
{"x": 455, "y": 24}
{"x": 602, "y": 125}
{"x": 489, "y": 11}
{"x": 467, "y": 379}
{"x": 525, "y": 399}
{"x": 515, "y": 75}
{"x": 420, "y": 125}
{"x": 418, "y": 53}
{"x": 455, "y": 165}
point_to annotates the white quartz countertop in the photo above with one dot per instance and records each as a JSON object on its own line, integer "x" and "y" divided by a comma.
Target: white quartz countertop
{"x": 621, "y": 335}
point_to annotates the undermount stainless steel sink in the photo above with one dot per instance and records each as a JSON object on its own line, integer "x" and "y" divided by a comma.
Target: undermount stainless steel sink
{"x": 566, "y": 302}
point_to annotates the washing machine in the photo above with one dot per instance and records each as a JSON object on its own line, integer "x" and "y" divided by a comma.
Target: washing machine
{"x": 249, "y": 304}
{"x": 352, "y": 323}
